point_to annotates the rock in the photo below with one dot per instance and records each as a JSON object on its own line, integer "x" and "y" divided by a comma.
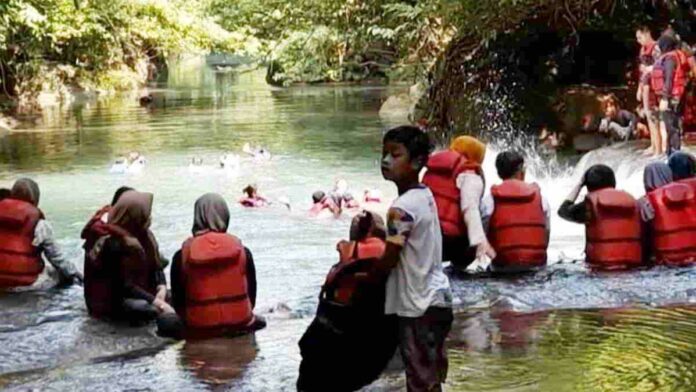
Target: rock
{"x": 585, "y": 142}
{"x": 399, "y": 109}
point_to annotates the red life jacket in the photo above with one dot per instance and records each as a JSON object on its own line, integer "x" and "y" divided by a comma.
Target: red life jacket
{"x": 344, "y": 285}
{"x": 674, "y": 226}
{"x": 613, "y": 231}
{"x": 517, "y": 228}
{"x": 647, "y": 53}
{"x": 690, "y": 182}
{"x": 20, "y": 261}
{"x": 681, "y": 73}
{"x": 441, "y": 178}
{"x": 214, "y": 276}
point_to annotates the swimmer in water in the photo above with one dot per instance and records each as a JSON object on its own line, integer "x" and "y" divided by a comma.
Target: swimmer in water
{"x": 341, "y": 196}
{"x": 321, "y": 202}
{"x": 258, "y": 152}
{"x": 252, "y": 198}
{"x": 229, "y": 161}
{"x": 372, "y": 196}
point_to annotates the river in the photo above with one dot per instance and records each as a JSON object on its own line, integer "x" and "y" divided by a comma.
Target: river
{"x": 562, "y": 329}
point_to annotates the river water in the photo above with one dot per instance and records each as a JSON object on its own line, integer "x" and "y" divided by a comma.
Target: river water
{"x": 561, "y": 329}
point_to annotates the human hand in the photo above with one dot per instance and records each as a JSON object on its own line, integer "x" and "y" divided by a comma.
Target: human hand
{"x": 161, "y": 293}
{"x": 639, "y": 94}
{"x": 484, "y": 249}
{"x": 664, "y": 105}
{"x": 162, "y": 306}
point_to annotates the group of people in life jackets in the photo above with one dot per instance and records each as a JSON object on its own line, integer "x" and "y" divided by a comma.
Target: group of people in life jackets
{"x": 511, "y": 225}
{"x": 666, "y": 88}
{"x": 213, "y": 278}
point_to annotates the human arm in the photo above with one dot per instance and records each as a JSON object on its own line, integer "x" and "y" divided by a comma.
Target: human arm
{"x": 250, "y": 277}
{"x": 399, "y": 226}
{"x": 471, "y": 190}
{"x": 670, "y": 67}
{"x": 569, "y": 210}
{"x": 44, "y": 240}
{"x": 487, "y": 207}
{"x": 177, "y": 280}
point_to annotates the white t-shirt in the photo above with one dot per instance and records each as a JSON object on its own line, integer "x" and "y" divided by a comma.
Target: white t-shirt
{"x": 418, "y": 281}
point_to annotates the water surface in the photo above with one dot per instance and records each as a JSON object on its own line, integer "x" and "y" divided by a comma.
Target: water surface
{"x": 561, "y": 329}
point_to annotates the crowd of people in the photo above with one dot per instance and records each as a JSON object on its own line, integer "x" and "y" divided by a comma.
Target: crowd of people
{"x": 666, "y": 96}
{"x": 441, "y": 215}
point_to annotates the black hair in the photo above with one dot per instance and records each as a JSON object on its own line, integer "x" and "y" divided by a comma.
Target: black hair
{"x": 5, "y": 193}
{"x": 509, "y": 163}
{"x": 249, "y": 189}
{"x": 120, "y": 191}
{"x": 318, "y": 196}
{"x": 667, "y": 43}
{"x": 417, "y": 142}
{"x": 598, "y": 177}
{"x": 361, "y": 225}
{"x": 644, "y": 29}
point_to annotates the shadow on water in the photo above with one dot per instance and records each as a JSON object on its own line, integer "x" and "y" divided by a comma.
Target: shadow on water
{"x": 564, "y": 328}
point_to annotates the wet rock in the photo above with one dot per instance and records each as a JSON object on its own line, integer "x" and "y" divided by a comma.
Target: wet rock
{"x": 399, "y": 108}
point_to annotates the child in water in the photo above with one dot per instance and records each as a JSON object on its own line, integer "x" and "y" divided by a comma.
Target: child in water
{"x": 321, "y": 202}
{"x": 252, "y": 198}
{"x": 417, "y": 292}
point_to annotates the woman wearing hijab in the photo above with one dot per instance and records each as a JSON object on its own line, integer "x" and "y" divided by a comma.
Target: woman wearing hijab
{"x": 471, "y": 184}
{"x": 683, "y": 165}
{"x": 128, "y": 282}
{"x": 25, "y": 236}
{"x": 655, "y": 175}
{"x": 213, "y": 275}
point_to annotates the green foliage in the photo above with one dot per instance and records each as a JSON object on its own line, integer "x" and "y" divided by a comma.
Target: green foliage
{"x": 95, "y": 44}
{"x": 339, "y": 40}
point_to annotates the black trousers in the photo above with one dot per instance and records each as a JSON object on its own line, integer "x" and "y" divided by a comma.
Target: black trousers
{"x": 672, "y": 119}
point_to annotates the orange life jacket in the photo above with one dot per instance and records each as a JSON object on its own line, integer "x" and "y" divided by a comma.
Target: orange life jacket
{"x": 681, "y": 73}
{"x": 441, "y": 177}
{"x": 20, "y": 261}
{"x": 613, "y": 231}
{"x": 674, "y": 226}
{"x": 517, "y": 228}
{"x": 344, "y": 286}
{"x": 214, "y": 276}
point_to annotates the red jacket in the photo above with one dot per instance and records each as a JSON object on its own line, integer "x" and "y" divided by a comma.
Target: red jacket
{"x": 441, "y": 178}
{"x": 613, "y": 230}
{"x": 343, "y": 284}
{"x": 20, "y": 261}
{"x": 517, "y": 228}
{"x": 214, "y": 275}
{"x": 674, "y": 226}
{"x": 681, "y": 74}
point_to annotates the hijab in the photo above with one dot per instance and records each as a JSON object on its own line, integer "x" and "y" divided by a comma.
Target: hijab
{"x": 472, "y": 148}
{"x": 656, "y": 174}
{"x": 132, "y": 213}
{"x": 683, "y": 165}
{"x": 26, "y": 189}
{"x": 210, "y": 213}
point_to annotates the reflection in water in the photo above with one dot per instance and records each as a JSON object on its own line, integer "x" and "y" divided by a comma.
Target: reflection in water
{"x": 606, "y": 350}
{"x": 218, "y": 361}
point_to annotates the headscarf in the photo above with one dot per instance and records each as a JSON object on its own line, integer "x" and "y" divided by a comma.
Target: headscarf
{"x": 26, "y": 189}
{"x": 210, "y": 213}
{"x": 683, "y": 165}
{"x": 132, "y": 213}
{"x": 656, "y": 174}
{"x": 472, "y": 148}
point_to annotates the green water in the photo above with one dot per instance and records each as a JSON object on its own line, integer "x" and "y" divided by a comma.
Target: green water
{"x": 555, "y": 331}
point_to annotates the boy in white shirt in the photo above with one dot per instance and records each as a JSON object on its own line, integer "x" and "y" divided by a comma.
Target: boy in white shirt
{"x": 417, "y": 291}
